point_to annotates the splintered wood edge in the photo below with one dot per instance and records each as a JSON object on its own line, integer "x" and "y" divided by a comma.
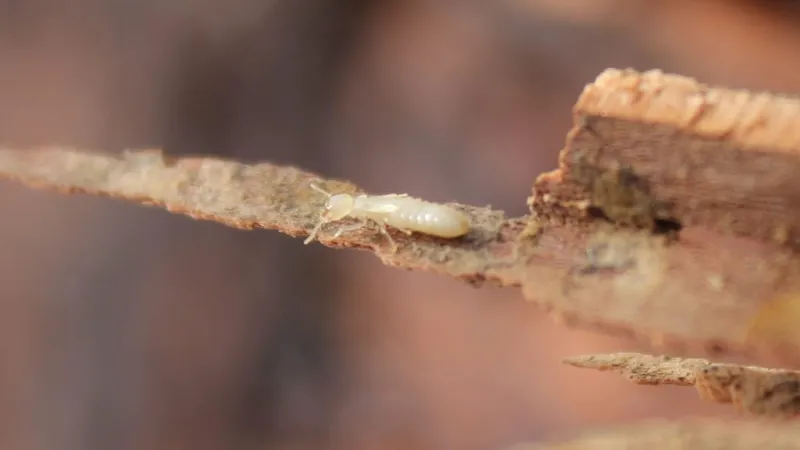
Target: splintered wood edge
{"x": 773, "y": 393}
{"x": 686, "y": 434}
{"x": 750, "y": 119}
{"x": 643, "y": 369}
{"x": 263, "y": 196}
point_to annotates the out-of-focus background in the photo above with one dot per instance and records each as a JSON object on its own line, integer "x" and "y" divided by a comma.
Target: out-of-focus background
{"x": 124, "y": 327}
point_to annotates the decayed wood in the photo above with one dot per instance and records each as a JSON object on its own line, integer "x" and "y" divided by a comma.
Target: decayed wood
{"x": 712, "y": 168}
{"x": 770, "y": 393}
{"x": 261, "y": 196}
{"x": 703, "y": 289}
{"x": 644, "y": 369}
{"x": 653, "y": 147}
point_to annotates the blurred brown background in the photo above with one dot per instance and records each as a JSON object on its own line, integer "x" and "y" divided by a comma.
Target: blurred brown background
{"x": 129, "y": 328}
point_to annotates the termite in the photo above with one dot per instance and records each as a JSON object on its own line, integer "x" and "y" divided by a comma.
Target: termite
{"x": 407, "y": 214}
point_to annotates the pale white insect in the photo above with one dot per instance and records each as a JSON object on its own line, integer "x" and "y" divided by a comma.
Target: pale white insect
{"x": 407, "y": 214}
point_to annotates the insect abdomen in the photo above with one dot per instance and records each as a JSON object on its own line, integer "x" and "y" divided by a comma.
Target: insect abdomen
{"x": 429, "y": 218}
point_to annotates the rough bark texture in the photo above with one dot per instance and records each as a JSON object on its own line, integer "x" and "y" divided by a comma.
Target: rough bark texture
{"x": 669, "y": 217}
{"x": 655, "y": 147}
{"x": 644, "y": 369}
{"x": 712, "y": 170}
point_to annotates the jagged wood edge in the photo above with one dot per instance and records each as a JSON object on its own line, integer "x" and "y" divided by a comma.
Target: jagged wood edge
{"x": 643, "y": 369}
{"x": 735, "y": 151}
{"x": 760, "y": 391}
{"x": 751, "y": 119}
{"x": 260, "y": 196}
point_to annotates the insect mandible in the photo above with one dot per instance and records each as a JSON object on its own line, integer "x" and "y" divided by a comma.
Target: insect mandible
{"x": 400, "y": 211}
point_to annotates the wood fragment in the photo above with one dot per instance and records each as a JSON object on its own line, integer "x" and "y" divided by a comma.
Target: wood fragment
{"x": 663, "y": 270}
{"x": 261, "y": 196}
{"x": 643, "y": 369}
{"x": 763, "y": 392}
{"x": 652, "y": 147}
{"x": 769, "y": 393}
{"x": 690, "y": 434}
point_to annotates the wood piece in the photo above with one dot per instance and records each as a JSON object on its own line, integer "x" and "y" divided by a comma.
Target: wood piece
{"x": 644, "y": 369}
{"x": 707, "y": 167}
{"x": 695, "y": 290}
{"x": 769, "y": 393}
{"x": 651, "y": 147}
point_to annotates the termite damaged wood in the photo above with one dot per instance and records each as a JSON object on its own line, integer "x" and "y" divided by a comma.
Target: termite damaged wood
{"x": 757, "y": 391}
{"x": 621, "y": 239}
{"x": 650, "y": 147}
{"x": 705, "y": 168}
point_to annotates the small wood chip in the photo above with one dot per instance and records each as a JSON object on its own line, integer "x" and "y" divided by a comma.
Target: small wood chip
{"x": 771, "y": 393}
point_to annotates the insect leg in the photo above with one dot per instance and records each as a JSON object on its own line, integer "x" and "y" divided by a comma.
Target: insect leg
{"x": 347, "y": 229}
{"x": 385, "y": 232}
{"x": 314, "y": 232}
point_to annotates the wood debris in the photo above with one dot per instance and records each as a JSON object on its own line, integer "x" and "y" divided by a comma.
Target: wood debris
{"x": 769, "y": 393}
{"x": 643, "y": 369}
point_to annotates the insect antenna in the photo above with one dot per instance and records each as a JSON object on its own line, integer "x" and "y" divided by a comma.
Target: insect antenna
{"x": 314, "y": 186}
